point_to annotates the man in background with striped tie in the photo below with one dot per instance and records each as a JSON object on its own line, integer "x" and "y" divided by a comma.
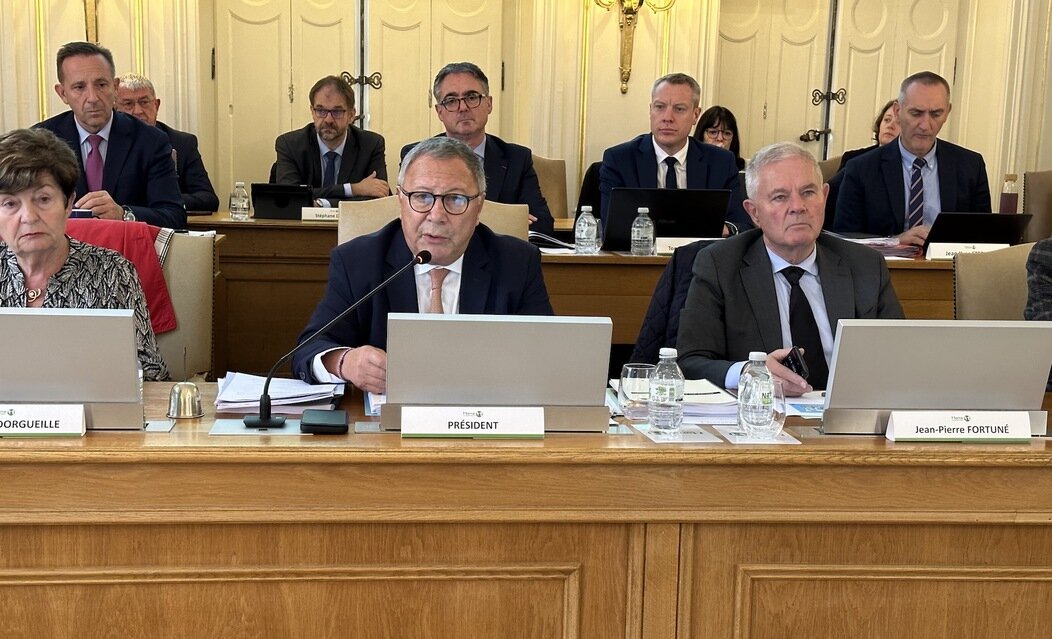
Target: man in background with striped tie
{"x": 898, "y": 189}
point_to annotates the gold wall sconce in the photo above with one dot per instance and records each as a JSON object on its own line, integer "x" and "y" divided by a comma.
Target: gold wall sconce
{"x": 629, "y": 10}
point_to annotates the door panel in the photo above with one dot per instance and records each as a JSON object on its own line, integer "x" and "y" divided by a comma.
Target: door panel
{"x": 324, "y": 42}
{"x": 741, "y": 76}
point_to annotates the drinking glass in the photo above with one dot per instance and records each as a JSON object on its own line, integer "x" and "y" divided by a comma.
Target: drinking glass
{"x": 634, "y": 390}
{"x": 771, "y": 429}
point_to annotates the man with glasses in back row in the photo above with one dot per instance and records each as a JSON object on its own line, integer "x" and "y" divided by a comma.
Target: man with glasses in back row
{"x": 463, "y": 105}
{"x": 441, "y": 187}
{"x": 341, "y": 161}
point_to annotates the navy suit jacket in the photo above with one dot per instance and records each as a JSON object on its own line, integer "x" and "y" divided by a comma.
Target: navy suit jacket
{"x": 872, "y": 197}
{"x": 633, "y": 164}
{"x": 138, "y": 172}
{"x": 299, "y": 160}
{"x": 732, "y": 309}
{"x": 502, "y": 276}
{"x": 511, "y": 179}
{"x": 194, "y": 185}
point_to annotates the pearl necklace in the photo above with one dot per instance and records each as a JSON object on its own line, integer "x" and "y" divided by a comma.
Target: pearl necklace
{"x": 32, "y": 295}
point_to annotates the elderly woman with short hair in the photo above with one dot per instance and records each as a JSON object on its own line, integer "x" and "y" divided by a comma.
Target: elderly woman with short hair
{"x": 40, "y": 266}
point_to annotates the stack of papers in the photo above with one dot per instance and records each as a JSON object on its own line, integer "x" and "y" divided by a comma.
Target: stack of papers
{"x": 548, "y": 242}
{"x": 889, "y": 246}
{"x": 239, "y": 393}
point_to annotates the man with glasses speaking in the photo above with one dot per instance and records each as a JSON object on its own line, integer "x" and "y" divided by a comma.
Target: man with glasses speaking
{"x": 341, "y": 161}
{"x": 441, "y": 187}
{"x": 463, "y": 105}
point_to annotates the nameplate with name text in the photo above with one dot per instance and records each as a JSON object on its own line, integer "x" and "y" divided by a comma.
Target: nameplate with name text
{"x": 320, "y": 214}
{"x": 477, "y": 422}
{"x": 946, "y": 250}
{"x": 42, "y": 420}
{"x": 959, "y": 426}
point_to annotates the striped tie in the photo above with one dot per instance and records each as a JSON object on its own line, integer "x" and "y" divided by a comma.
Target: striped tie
{"x": 916, "y": 212}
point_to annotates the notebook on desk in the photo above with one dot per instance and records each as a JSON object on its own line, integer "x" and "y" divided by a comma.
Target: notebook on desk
{"x": 558, "y": 363}
{"x": 280, "y": 201}
{"x": 884, "y": 365}
{"x": 692, "y": 213}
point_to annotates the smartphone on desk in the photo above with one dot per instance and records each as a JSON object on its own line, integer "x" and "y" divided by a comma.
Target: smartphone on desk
{"x": 81, "y": 213}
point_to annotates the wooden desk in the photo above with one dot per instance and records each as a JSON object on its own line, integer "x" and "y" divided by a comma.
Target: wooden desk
{"x": 186, "y": 535}
{"x": 275, "y": 273}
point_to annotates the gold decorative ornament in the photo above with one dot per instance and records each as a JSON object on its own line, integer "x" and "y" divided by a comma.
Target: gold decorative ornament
{"x": 629, "y": 10}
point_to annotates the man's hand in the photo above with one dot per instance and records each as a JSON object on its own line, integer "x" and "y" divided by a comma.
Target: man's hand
{"x": 533, "y": 218}
{"x": 792, "y": 384}
{"x": 365, "y": 367}
{"x": 915, "y": 236}
{"x": 101, "y": 205}
{"x": 371, "y": 186}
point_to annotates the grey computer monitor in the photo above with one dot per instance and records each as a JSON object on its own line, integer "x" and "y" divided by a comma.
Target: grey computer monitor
{"x": 884, "y": 365}
{"x": 559, "y": 363}
{"x": 73, "y": 356}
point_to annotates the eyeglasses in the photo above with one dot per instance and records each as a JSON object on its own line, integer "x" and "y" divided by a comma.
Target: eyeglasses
{"x": 337, "y": 114}
{"x": 719, "y": 133}
{"x": 144, "y": 103}
{"x": 452, "y": 103}
{"x": 453, "y": 203}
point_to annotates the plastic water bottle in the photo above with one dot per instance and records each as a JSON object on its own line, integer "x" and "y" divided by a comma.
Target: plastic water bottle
{"x": 665, "y": 406}
{"x": 586, "y": 233}
{"x": 756, "y": 396}
{"x": 642, "y": 233}
{"x": 239, "y": 202}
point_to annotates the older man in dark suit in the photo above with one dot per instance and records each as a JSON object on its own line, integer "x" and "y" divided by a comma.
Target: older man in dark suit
{"x": 668, "y": 157}
{"x": 899, "y": 188}
{"x": 463, "y": 105}
{"x": 128, "y": 171}
{"x": 137, "y": 97}
{"x": 780, "y": 285}
{"x": 341, "y": 161}
{"x": 441, "y": 187}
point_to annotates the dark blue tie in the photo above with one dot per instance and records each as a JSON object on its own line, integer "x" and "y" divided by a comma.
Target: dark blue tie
{"x": 330, "y": 169}
{"x": 670, "y": 173}
{"x": 916, "y": 208}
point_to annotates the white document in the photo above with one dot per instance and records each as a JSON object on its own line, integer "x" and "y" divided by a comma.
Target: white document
{"x": 688, "y": 434}
{"x": 735, "y": 435}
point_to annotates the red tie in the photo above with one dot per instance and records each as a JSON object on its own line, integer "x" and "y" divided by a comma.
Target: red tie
{"x": 93, "y": 165}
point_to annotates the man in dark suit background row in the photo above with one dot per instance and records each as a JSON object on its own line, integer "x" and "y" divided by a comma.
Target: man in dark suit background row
{"x": 126, "y": 166}
{"x": 136, "y": 97}
{"x": 441, "y": 187}
{"x": 899, "y": 188}
{"x": 782, "y": 284}
{"x": 668, "y": 157}
{"x": 463, "y": 104}
{"x": 341, "y": 161}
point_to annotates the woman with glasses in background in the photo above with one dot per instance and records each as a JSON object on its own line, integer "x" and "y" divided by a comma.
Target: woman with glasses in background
{"x": 718, "y": 127}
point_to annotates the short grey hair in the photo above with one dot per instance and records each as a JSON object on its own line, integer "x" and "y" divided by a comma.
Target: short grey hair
{"x": 136, "y": 82}
{"x": 927, "y": 78}
{"x": 772, "y": 154}
{"x": 444, "y": 148}
{"x": 469, "y": 68}
{"x": 679, "y": 78}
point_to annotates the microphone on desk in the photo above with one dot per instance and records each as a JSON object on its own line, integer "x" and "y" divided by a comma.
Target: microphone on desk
{"x": 265, "y": 419}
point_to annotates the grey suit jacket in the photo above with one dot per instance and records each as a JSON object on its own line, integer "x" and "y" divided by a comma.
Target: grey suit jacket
{"x": 732, "y": 309}
{"x": 299, "y": 160}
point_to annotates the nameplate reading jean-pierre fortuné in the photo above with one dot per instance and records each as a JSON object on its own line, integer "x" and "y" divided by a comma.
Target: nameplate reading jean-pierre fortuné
{"x": 41, "y": 420}
{"x": 958, "y": 426}
{"x": 478, "y": 422}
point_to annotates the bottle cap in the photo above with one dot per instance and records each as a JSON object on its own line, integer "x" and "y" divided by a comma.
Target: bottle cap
{"x": 667, "y": 352}
{"x": 587, "y": 208}
{"x": 643, "y": 209}
{"x": 755, "y": 356}
{"x": 237, "y": 184}
{"x": 1011, "y": 177}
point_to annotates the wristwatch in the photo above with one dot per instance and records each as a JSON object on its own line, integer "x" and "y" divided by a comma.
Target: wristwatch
{"x": 128, "y": 215}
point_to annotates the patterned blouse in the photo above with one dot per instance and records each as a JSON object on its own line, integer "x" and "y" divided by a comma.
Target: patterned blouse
{"x": 92, "y": 277}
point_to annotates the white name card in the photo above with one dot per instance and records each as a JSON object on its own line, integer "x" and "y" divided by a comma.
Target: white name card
{"x": 320, "y": 214}
{"x": 478, "y": 422}
{"x": 959, "y": 426}
{"x": 946, "y": 250}
{"x": 41, "y": 420}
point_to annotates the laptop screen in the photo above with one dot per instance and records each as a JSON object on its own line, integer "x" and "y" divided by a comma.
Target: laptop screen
{"x": 693, "y": 213}
{"x": 281, "y": 201}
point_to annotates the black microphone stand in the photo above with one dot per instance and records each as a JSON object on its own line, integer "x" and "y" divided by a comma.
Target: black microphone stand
{"x": 265, "y": 419}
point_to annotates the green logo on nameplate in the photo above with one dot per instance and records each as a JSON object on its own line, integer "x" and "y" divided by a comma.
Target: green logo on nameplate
{"x": 473, "y": 422}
